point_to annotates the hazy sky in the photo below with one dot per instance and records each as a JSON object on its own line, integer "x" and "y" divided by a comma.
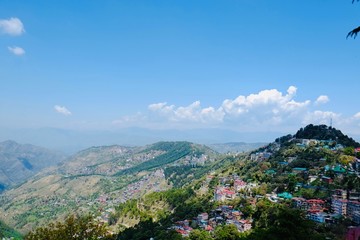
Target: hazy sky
{"x": 241, "y": 65}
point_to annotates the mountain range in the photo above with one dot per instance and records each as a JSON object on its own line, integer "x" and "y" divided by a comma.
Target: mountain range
{"x": 111, "y": 174}
{"x": 124, "y": 185}
{"x": 18, "y": 162}
{"x": 72, "y": 141}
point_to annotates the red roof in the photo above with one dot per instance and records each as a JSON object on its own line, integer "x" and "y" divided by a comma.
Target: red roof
{"x": 229, "y": 192}
{"x": 182, "y": 232}
{"x": 319, "y": 201}
{"x": 238, "y": 181}
{"x": 314, "y": 211}
{"x": 236, "y": 213}
{"x": 209, "y": 228}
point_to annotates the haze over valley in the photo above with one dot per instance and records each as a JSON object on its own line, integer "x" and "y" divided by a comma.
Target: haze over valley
{"x": 214, "y": 120}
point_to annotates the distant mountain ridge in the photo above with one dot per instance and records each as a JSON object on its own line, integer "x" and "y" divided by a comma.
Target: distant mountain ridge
{"x": 235, "y": 147}
{"x": 72, "y": 141}
{"x": 18, "y": 162}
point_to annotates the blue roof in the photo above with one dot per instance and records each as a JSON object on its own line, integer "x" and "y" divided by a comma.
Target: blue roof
{"x": 285, "y": 195}
{"x": 299, "y": 169}
{"x": 270, "y": 171}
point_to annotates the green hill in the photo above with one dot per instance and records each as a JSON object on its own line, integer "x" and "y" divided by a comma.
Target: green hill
{"x": 18, "y": 162}
{"x": 171, "y": 152}
{"x": 99, "y": 178}
{"x": 282, "y": 167}
{"x": 323, "y": 132}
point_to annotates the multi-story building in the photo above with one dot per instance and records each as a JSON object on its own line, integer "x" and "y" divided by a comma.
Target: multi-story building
{"x": 353, "y": 211}
{"x": 315, "y": 205}
{"x": 339, "y": 206}
{"x": 316, "y": 216}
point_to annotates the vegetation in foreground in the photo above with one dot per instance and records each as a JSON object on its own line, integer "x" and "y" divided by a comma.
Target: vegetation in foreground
{"x": 8, "y": 232}
{"x": 78, "y": 228}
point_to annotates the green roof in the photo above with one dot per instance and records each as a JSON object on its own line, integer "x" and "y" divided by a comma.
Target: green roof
{"x": 285, "y": 195}
{"x": 270, "y": 171}
{"x": 299, "y": 169}
{"x": 339, "y": 169}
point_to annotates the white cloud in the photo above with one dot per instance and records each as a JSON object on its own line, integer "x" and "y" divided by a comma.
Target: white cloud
{"x": 63, "y": 110}
{"x": 265, "y": 104}
{"x": 322, "y": 117}
{"x": 267, "y": 110}
{"x": 263, "y": 109}
{"x": 357, "y": 115}
{"x": 191, "y": 113}
{"x": 161, "y": 108}
{"x": 291, "y": 90}
{"x": 322, "y": 100}
{"x": 18, "y": 51}
{"x": 11, "y": 26}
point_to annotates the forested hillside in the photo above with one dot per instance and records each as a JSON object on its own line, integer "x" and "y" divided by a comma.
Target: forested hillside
{"x": 294, "y": 166}
{"x": 287, "y": 189}
{"x": 97, "y": 179}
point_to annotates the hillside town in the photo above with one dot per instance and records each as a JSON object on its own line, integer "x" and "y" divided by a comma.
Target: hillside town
{"x": 342, "y": 203}
{"x": 323, "y": 210}
{"x": 319, "y": 178}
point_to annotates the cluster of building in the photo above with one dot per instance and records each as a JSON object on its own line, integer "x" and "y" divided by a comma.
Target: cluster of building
{"x": 193, "y": 160}
{"x": 347, "y": 207}
{"x": 104, "y": 203}
{"x": 325, "y": 144}
{"x": 112, "y": 167}
{"x": 183, "y": 227}
{"x": 149, "y": 182}
{"x": 265, "y": 152}
{"x": 315, "y": 209}
{"x": 260, "y": 156}
{"x": 328, "y": 212}
{"x": 223, "y": 215}
{"x": 223, "y": 193}
{"x": 229, "y": 188}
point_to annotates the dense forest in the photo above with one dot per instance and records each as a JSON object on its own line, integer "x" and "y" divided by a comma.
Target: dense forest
{"x": 173, "y": 151}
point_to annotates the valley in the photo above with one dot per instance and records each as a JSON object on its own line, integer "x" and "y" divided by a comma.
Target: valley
{"x": 181, "y": 189}
{"x": 95, "y": 180}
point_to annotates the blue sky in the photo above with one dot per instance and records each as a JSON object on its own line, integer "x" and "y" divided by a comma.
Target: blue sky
{"x": 241, "y": 65}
